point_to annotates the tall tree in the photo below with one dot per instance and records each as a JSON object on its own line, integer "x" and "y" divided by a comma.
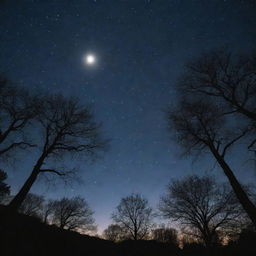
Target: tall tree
{"x": 134, "y": 215}
{"x": 200, "y": 127}
{"x": 228, "y": 79}
{"x": 67, "y": 128}
{"x": 203, "y": 206}
{"x": 72, "y": 214}
{"x": 17, "y": 109}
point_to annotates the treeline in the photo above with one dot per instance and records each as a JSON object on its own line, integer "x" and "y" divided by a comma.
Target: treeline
{"x": 66, "y": 213}
{"x": 206, "y": 212}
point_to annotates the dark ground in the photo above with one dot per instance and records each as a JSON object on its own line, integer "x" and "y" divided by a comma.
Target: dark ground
{"x": 23, "y": 235}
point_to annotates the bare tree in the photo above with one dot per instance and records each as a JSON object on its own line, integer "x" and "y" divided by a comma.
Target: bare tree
{"x": 165, "y": 235}
{"x": 32, "y": 205}
{"x": 4, "y": 188}
{"x": 67, "y": 129}
{"x": 200, "y": 127}
{"x": 47, "y": 210}
{"x": 17, "y": 110}
{"x": 114, "y": 233}
{"x": 228, "y": 79}
{"x": 72, "y": 214}
{"x": 201, "y": 205}
{"x": 134, "y": 215}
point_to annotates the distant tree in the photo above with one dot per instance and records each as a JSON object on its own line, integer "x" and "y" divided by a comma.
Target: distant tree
{"x": 204, "y": 207}
{"x": 4, "y": 188}
{"x": 165, "y": 235}
{"x": 135, "y": 216}
{"x": 187, "y": 239}
{"x": 72, "y": 214}
{"x": 113, "y": 233}
{"x": 17, "y": 109}
{"x": 201, "y": 126}
{"x": 47, "y": 210}
{"x": 32, "y": 205}
{"x": 67, "y": 129}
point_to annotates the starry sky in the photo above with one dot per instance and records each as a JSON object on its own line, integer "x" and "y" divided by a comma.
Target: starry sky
{"x": 141, "y": 47}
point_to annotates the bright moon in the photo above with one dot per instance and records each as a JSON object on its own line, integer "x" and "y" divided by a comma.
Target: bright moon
{"x": 89, "y": 59}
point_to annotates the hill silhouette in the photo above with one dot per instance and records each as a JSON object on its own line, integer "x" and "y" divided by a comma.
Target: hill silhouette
{"x": 25, "y": 235}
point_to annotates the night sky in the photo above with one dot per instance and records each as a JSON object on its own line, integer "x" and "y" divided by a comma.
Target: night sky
{"x": 140, "y": 49}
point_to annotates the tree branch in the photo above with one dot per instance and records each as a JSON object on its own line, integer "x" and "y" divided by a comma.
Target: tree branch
{"x": 53, "y": 171}
{"x": 22, "y": 145}
{"x": 233, "y": 141}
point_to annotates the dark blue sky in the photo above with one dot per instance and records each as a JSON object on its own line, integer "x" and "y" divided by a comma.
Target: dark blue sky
{"x": 140, "y": 47}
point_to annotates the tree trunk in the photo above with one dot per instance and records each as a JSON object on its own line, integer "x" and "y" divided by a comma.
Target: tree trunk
{"x": 19, "y": 198}
{"x": 206, "y": 235}
{"x": 135, "y": 233}
{"x": 243, "y": 198}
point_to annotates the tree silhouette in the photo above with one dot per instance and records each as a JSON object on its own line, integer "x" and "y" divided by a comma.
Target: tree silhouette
{"x": 72, "y": 214}
{"x": 201, "y": 126}
{"x": 17, "y": 109}
{"x": 134, "y": 215}
{"x": 4, "y": 188}
{"x": 165, "y": 235}
{"x": 47, "y": 210}
{"x": 114, "y": 233}
{"x": 32, "y": 205}
{"x": 67, "y": 129}
{"x": 228, "y": 79}
{"x": 202, "y": 206}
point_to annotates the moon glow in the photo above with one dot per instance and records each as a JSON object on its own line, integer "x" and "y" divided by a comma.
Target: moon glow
{"x": 89, "y": 59}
